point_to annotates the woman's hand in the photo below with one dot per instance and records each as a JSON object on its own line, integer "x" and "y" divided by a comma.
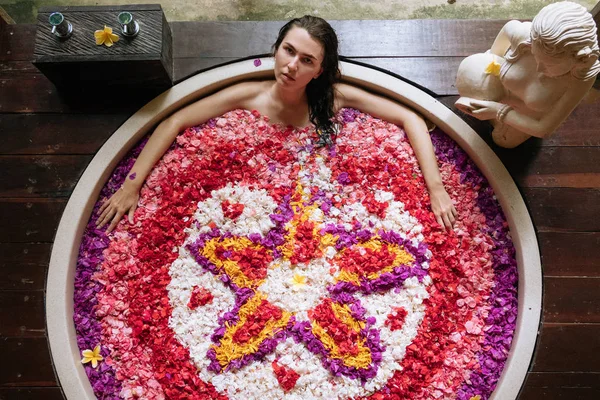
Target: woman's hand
{"x": 485, "y": 110}
{"x": 125, "y": 199}
{"x": 442, "y": 208}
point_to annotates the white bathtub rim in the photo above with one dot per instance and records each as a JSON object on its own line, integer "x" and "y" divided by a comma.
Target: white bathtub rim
{"x": 60, "y": 284}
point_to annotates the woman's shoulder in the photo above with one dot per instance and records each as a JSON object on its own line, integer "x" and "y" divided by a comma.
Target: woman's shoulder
{"x": 242, "y": 94}
{"x": 345, "y": 95}
{"x": 250, "y": 88}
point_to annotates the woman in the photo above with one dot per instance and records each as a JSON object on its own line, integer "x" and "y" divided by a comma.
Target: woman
{"x": 304, "y": 92}
{"x": 546, "y": 68}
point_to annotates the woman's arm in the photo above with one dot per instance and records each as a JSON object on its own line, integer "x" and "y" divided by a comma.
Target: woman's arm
{"x": 538, "y": 127}
{"x": 511, "y": 34}
{"x": 125, "y": 199}
{"x": 416, "y": 130}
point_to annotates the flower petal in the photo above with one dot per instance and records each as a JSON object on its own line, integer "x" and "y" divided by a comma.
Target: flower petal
{"x": 88, "y": 353}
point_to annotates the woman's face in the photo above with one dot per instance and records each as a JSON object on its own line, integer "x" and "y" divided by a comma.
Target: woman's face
{"x": 298, "y": 59}
{"x": 552, "y": 65}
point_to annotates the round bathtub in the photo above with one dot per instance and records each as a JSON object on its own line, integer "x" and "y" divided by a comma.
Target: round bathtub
{"x": 60, "y": 284}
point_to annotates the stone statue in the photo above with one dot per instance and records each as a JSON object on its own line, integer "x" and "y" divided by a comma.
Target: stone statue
{"x": 534, "y": 75}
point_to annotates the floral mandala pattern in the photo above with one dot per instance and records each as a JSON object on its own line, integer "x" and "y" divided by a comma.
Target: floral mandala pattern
{"x": 261, "y": 266}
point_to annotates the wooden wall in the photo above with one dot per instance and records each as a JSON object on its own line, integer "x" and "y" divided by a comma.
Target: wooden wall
{"x": 47, "y": 141}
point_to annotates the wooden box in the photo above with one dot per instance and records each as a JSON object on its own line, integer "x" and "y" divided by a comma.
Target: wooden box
{"x": 142, "y": 64}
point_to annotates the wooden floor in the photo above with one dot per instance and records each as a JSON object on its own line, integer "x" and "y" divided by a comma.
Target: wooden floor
{"x": 46, "y": 143}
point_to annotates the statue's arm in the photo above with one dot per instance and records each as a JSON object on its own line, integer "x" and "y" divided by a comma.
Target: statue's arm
{"x": 511, "y": 34}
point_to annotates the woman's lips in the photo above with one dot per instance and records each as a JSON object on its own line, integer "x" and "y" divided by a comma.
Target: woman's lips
{"x": 288, "y": 77}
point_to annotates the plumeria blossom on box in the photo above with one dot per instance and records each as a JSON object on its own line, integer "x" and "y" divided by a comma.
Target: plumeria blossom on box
{"x": 261, "y": 266}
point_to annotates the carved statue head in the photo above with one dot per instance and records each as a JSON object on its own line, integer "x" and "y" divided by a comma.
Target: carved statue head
{"x": 562, "y": 40}
{"x": 564, "y": 35}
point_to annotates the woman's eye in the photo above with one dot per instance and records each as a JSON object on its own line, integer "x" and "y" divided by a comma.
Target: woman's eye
{"x": 288, "y": 50}
{"x": 308, "y": 60}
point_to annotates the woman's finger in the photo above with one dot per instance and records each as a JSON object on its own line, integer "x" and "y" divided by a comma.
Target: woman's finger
{"x": 439, "y": 220}
{"x": 447, "y": 223}
{"x": 108, "y": 214}
{"x": 454, "y": 212}
{"x": 105, "y": 204}
{"x": 114, "y": 222}
{"x": 101, "y": 219}
{"x": 451, "y": 217}
{"x": 131, "y": 211}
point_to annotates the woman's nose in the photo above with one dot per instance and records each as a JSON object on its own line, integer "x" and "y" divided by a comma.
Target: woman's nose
{"x": 293, "y": 64}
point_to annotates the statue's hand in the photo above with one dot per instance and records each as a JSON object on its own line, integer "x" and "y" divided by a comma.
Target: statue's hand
{"x": 485, "y": 110}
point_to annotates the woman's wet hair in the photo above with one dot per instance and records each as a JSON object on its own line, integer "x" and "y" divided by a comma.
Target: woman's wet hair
{"x": 319, "y": 91}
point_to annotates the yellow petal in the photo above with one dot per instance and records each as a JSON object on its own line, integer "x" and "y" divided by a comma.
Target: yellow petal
{"x": 108, "y": 42}
{"x": 94, "y": 363}
{"x": 97, "y": 351}
{"x": 100, "y": 37}
{"x": 114, "y": 37}
{"x": 107, "y": 29}
{"x": 88, "y": 353}
{"x": 298, "y": 280}
{"x": 85, "y": 360}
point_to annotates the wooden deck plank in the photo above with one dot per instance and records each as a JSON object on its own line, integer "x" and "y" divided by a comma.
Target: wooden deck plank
{"x": 17, "y": 42}
{"x": 576, "y": 380}
{"x": 567, "y": 348}
{"x": 41, "y": 176}
{"x": 30, "y": 220}
{"x": 23, "y": 266}
{"x": 564, "y": 209}
{"x": 569, "y": 167}
{"x": 570, "y": 253}
{"x": 561, "y": 386}
{"x": 408, "y": 38}
{"x": 23, "y": 89}
{"x": 27, "y": 90}
{"x": 35, "y": 393}
{"x": 571, "y": 299}
{"x": 22, "y": 313}
{"x": 57, "y": 133}
{"x": 29, "y": 361}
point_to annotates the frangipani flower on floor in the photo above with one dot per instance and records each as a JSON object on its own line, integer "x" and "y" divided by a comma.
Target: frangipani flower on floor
{"x": 92, "y": 355}
{"x": 105, "y": 37}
